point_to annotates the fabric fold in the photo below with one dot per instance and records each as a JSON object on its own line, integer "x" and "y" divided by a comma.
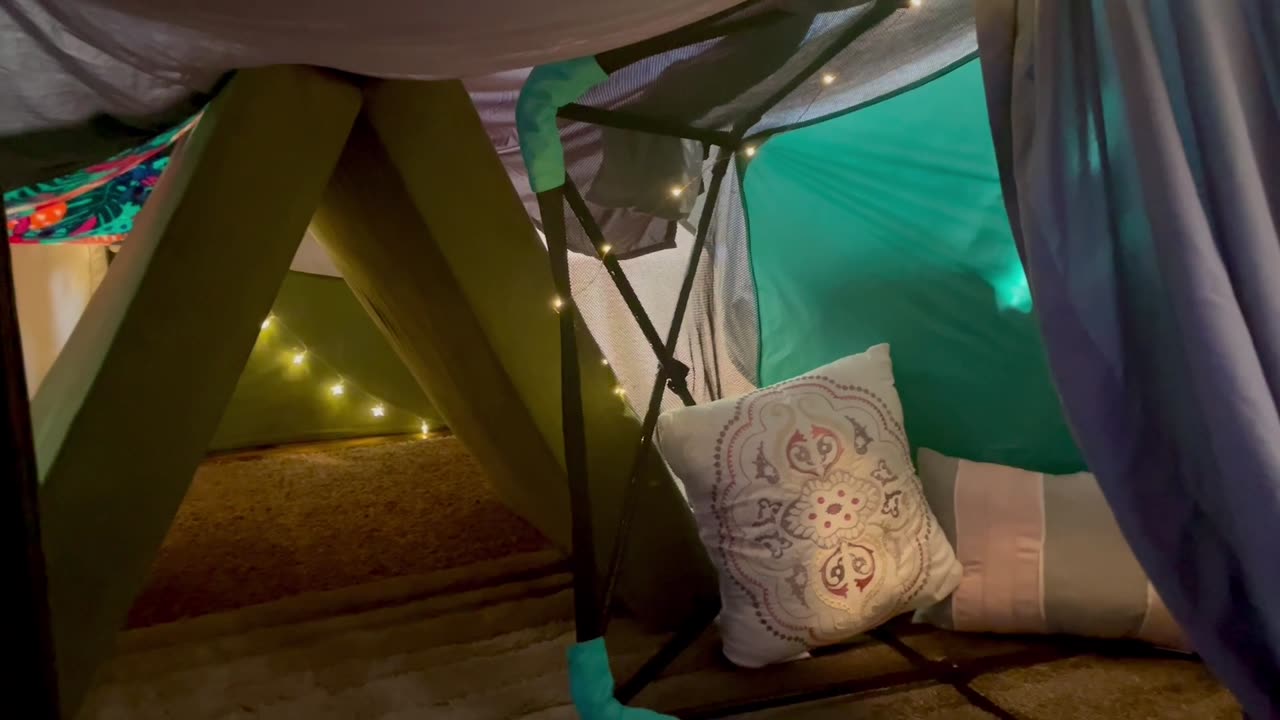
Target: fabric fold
{"x": 1140, "y": 148}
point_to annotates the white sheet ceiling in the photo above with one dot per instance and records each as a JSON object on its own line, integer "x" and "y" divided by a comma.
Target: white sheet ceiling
{"x": 384, "y": 38}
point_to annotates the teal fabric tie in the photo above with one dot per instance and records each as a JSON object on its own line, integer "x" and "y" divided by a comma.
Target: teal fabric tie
{"x": 549, "y": 88}
{"x": 591, "y": 686}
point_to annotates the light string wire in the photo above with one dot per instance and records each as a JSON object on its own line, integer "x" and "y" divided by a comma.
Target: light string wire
{"x": 337, "y": 385}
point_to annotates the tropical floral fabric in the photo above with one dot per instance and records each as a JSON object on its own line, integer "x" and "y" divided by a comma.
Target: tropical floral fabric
{"x": 96, "y": 205}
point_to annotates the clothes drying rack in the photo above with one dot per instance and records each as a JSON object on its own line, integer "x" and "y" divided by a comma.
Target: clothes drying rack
{"x": 594, "y": 595}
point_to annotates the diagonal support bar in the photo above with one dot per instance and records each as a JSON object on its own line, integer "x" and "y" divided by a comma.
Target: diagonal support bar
{"x": 878, "y": 12}
{"x": 683, "y": 638}
{"x": 944, "y": 672}
{"x": 622, "y": 537}
{"x": 676, "y": 371}
{"x": 626, "y": 120}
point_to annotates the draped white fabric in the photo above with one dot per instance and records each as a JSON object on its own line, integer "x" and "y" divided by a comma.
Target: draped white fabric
{"x": 143, "y": 66}
{"x": 386, "y": 38}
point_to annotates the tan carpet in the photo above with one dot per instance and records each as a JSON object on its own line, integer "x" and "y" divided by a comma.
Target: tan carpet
{"x": 386, "y": 581}
{"x": 259, "y": 527}
{"x": 487, "y": 642}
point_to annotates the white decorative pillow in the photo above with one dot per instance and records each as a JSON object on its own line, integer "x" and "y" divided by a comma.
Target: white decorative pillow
{"x": 808, "y": 504}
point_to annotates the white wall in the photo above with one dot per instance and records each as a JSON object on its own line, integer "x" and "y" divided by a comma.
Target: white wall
{"x": 53, "y": 284}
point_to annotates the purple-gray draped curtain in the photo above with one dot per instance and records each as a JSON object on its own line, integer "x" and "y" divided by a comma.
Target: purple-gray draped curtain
{"x": 1139, "y": 144}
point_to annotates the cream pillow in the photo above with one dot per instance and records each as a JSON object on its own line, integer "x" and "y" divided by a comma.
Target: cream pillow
{"x": 1041, "y": 554}
{"x": 806, "y": 499}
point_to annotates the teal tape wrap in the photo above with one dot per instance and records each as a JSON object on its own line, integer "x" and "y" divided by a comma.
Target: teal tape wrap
{"x": 591, "y": 685}
{"x": 549, "y": 88}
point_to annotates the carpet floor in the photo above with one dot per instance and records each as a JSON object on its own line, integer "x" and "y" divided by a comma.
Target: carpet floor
{"x": 387, "y": 581}
{"x": 258, "y": 527}
{"x": 487, "y": 642}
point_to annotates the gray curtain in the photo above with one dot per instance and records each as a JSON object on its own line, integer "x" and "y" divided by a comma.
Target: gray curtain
{"x": 1139, "y": 144}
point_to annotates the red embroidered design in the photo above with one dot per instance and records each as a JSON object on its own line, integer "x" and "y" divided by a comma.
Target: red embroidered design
{"x": 821, "y": 522}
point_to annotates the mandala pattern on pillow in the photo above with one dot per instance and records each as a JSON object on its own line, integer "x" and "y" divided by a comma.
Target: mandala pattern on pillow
{"x": 823, "y": 525}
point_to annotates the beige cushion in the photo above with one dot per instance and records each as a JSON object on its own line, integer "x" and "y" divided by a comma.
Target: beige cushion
{"x": 1041, "y": 554}
{"x": 807, "y": 501}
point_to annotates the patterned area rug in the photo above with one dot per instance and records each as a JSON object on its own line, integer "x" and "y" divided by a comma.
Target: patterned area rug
{"x": 487, "y": 641}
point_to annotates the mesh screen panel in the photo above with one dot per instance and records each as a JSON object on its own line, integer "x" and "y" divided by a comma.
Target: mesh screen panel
{"x": 731, "y": 306}
{"x": 908, "y": 46}
{"x": 656, "y": 278}
{"x": 863, "y": 51}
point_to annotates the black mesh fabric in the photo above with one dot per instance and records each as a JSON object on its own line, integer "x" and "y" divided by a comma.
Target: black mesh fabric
{"x": 656, "y": 278}
{"x": 720, "y": 83}
{"x": 905, "y": 48}
{"x": 732, "y": 305}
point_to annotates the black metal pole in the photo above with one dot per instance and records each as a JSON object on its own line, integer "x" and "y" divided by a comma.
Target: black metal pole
{"x": 651, "y": 415}
{"x": 676, "y": 371}
{"x": 586, "y": 601}
{"x": 33, "y": 689}
{"x": 878, "y": 12}
{"x": 625, "y": 120}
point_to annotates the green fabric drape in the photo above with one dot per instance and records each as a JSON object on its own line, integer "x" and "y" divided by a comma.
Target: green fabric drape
{"x": 888, "y": 225}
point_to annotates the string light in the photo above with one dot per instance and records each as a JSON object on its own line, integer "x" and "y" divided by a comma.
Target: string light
{"x": 749, "y": 151}
{"x": 604, "y": 362}
{"x": 605, "y": 248}
{"x": 337, "y": 389}
{"x": 425, "y": 430}
{"x": 828, "y": 78}
{"x": 557, "y": 303}
{"x": 917, "y": 3}
{"x": 676, "y": 190}
{"x": 619, "y": 391}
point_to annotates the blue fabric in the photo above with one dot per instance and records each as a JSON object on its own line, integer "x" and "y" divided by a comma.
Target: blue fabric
{"x": 549, "y": 88}
{"x": 591, "y": 686}
{"x": 1144, "y": 162}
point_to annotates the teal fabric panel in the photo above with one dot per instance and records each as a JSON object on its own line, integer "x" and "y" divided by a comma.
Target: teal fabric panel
{"x": 887, "y": 225}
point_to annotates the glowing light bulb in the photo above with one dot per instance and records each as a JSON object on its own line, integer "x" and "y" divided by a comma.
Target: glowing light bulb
{"x": 338, "y": 389}
{"x": 619, "y": 391}
{"x": 267, "y": 322}
{"x": 828, "y": 78}
{"x": 605, "y": 248}
{"x": 425, "y": 430}
{"x": 676, "y": 190}
{"x": 299, "y": 357}
{"x": 749, "y": 151}
{"x": 378, "y": 410}
{"x": 917, "y": 3}
{"x": 557, "y": 303}
{"x": 604, "y": 362}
